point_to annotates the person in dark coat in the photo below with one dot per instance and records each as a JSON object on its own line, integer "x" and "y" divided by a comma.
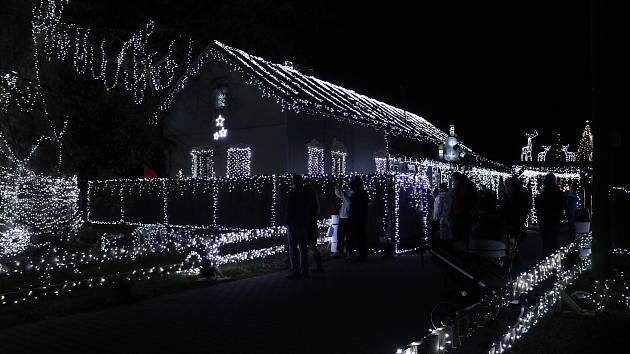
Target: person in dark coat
{"x": 358, "y": 217}
{"x": 488, "y": 225}
{"x": 299, "y": 219}
{"x": 464, "y": 206}
{"x": 572, "y": 204}
{"x": 550, "y": 204}
{"x": 313, "y": 229}
{"x": 514, "y": 207}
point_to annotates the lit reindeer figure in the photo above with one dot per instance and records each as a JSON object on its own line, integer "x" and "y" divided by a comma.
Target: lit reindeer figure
{"x": 543, "y": 154}
{"x": 526, "y": 151}
{"x": 569, "y": 154}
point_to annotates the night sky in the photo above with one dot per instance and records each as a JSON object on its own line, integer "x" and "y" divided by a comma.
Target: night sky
{"x": 493, "y": 70}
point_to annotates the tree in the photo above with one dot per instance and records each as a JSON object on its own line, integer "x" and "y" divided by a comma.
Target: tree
{"x": 585, "y": 146}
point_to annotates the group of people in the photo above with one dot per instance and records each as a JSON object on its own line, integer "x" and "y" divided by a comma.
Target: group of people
{"x": 302, "y": 229}
{"x": 465, "y": 212}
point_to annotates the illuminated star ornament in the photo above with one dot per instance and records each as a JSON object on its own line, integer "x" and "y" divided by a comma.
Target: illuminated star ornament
{"x": 221, "y": 133}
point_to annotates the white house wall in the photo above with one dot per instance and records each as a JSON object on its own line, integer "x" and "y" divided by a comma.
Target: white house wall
{"x": 250, "y": 120}
{"x": 361, "y": 142}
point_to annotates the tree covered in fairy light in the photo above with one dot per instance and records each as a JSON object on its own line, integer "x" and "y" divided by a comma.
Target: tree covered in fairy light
{"x": 585, "y": 147}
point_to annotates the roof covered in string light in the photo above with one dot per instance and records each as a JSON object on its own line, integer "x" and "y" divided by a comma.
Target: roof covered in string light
{"x": 299, "y": 92}
{"x": 303, "y": 93}
{"x": 307, "y": 93}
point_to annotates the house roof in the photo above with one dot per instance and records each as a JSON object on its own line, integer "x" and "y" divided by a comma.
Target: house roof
{"x": 307, "y": 93}
{"x": 304, "y": 93}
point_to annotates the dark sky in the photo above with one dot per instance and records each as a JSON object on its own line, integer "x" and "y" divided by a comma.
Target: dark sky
{"x": 494, "y": 70}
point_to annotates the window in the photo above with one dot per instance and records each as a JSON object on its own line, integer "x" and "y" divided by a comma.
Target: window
{"x": 338, "y": 154}
{"x": 239, "y": 160}
{"x": 220, "y": 98}
{"x": 202, "y": 163}
{"x": 315, "y": 152}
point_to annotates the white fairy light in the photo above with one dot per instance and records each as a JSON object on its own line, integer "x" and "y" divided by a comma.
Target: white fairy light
{"x": 46, "y": 204}
{"x": 222, "y": 132}
{"x": 202, "y": 163}
{"x": 338, "y": 155}
{"x": 239, "y": 160}
{"x": 14, "y": 240}
{"x": 315, "y": 155}
{"x": 136, "y": 67}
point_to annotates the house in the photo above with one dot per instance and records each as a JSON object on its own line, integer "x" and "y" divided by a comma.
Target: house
{"x": 236, "y": 114}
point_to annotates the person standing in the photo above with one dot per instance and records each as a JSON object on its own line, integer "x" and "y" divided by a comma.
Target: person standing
{"x": 358, "y": 217}
{"x": 550, "y": 204}
{"x": 514, "y": 208}
{"x": 313, "y": 229}
{"x": 299, "y": 209}
{"x": 344, "y": 231}
{"x": 442, "y": 212}
{"x": 572, "y": 204}
{"x": 464, "y": 206}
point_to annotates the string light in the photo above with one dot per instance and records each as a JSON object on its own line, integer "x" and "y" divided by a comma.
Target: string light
{"x": 491, "y": 305}
{"x": 136, "y": 68}
{"x": 239, "y": 161}
{"x": 14, "y": 240}
{"x": 526, "y": 151}
{"x": 202, "y": 163}
{"x": 585, "y": 146}
{"x": 338, "y": 155}
{"x": 222, "y": 132}
{"x": 45, "y": 204}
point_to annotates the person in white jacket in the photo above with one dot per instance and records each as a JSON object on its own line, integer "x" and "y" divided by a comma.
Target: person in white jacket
{"x": 442, "y": 212}
{"x": 344, "y": 231}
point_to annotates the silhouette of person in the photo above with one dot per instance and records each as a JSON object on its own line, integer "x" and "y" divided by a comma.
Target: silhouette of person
{"x": 299, "y": 216}
{"x": 550, "y": 204}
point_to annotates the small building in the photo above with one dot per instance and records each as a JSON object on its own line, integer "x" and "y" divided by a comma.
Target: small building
{"x": 234, "y": 109}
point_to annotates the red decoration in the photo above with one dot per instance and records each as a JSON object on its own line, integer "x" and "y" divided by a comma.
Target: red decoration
{"x": 149, "y": 173}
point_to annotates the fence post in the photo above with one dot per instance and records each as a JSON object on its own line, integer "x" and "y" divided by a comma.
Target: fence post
{"x": 165, "y": 200}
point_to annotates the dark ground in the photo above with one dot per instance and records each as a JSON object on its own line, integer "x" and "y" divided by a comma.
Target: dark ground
{"x": 372, "y": 307}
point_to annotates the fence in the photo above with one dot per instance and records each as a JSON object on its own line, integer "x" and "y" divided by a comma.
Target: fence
{"x": 397, "y": 209}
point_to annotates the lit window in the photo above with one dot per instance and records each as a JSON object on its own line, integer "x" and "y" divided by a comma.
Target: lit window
{"x": 338, "y": 154}
{"x": 239, "y": 160}
{"x": 315, "y": 158}
{"x": 202, "y": 163}
{"x": 221, "y": 97}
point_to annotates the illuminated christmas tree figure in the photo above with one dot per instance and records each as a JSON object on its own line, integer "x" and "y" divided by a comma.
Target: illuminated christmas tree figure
{"x": 585, "y": 148}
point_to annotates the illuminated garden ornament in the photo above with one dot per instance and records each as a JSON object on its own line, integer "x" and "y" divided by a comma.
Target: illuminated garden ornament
{"x": 585, "y": 147}
{"x": 451, "y": 148}
{"x": 15, "y": 239}
{"x": 526, "y": 151}
{"x": 543, "y": 154}
{"x": 222, "y": 132}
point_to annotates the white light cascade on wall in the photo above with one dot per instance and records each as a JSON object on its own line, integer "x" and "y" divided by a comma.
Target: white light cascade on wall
{"x": 338, "y": 155}
{"x": 239, "y": 160}
{"x": 315, "y": 155}
{"x": 338, "y": 162}
{"x": 202, "y": 163}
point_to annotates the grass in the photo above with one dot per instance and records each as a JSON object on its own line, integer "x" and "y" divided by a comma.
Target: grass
{"x": 566, "y": 331}
{"x": 102, "y": 297}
